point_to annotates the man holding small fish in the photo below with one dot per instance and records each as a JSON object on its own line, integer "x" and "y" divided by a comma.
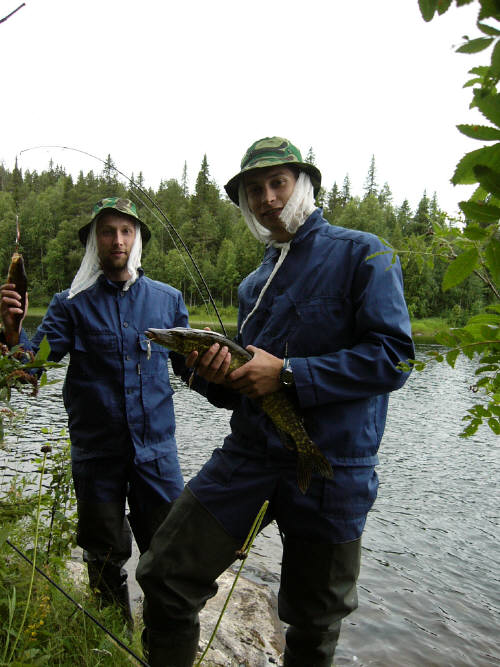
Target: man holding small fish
{"x": 116, "y": 392}
{"x": 324, "y": 322}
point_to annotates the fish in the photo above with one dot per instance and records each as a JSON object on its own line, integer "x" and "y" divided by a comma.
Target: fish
{"x": 17, "y": 276}
{"x": 277, "y": 405}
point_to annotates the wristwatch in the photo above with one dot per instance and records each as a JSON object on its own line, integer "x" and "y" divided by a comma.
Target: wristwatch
{"x": 286, "y": 374}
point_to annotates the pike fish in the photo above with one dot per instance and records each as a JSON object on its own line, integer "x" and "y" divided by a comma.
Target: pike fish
{"x": 277, "y": 405}
{"x": 17, "y": 274}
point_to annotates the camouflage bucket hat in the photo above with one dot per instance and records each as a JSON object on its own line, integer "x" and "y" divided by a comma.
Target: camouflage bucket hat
{"x": 269, "y": 152}
{"x": 114, "y": 204}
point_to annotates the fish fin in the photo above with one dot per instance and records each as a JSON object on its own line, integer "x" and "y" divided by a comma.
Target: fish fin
{"x": 304, "y": 472}
{"x": 322, "y": 465}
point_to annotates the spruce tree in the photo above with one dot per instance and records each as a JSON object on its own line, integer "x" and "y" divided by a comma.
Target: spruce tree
{"x": 370, "y": 182}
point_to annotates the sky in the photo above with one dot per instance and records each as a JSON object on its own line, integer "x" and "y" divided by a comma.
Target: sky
{"x": 158, "y": 83}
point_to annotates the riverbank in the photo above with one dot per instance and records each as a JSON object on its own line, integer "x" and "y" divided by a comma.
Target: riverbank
{"x": 424, "y": 330}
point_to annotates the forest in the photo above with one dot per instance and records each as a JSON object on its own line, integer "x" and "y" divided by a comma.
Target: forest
{"x": 52, "y": 206}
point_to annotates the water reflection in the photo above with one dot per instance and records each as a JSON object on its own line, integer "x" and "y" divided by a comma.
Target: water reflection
{"x": 429, "y": 587}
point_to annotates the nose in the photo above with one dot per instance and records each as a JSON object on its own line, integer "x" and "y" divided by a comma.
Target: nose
{"x": 268, "y": 194}
{"x": 118, "y": 239}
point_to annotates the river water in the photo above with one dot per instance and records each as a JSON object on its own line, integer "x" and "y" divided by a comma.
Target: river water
{"x": 429, "y": 587}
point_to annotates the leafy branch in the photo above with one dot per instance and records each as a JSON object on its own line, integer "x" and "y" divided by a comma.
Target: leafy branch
{"x": 475, "y": 247}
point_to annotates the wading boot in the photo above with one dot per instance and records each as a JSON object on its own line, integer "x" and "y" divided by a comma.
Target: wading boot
{"x": 317, "y": 590}
{"x": 312, "y": 648}
{"x": 109, "y": 585}
{"x": 174, "y": 648}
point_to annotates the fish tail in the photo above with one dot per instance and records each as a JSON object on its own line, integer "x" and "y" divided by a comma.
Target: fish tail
{"x": 322, "y": 465}
{"x": 312, "y": 461}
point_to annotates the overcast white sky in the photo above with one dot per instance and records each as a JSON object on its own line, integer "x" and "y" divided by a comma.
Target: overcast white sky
{"x": 155, "y": 83}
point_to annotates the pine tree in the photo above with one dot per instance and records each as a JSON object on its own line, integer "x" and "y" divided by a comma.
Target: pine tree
{"x": 184, "y": 180}
{"x": 370, "y": 182}
{"x": 333, "y": 203}
{"x": 385, "y": 195}
{"x": 311, "y": 157}
{"x": 421, "y": 223}
{"x": 346, "y": 191}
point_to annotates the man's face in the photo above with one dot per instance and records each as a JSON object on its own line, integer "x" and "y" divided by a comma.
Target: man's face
{"x": 268, "y": 190}
{"x": 115, "y": 237}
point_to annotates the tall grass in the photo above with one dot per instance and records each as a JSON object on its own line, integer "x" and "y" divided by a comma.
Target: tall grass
{"x": 38, "y": 624}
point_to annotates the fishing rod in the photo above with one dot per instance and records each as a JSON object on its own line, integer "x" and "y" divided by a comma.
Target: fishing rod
{"x": 169, "y": 226}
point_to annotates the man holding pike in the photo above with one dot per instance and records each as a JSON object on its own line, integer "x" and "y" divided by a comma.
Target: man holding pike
{"x": 330, "y": 327}
{"x": 116, "y": 392}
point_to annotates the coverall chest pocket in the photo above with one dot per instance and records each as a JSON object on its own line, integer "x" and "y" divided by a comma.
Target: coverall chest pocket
{"x": 323, "y": 324}
{"x": 94, "y": 353}
{"x": 153, "y": 357}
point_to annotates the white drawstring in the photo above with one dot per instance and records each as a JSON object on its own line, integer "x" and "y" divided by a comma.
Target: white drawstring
{"x": 285, "y": 247}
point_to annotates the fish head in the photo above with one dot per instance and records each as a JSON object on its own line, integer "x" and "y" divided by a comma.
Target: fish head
{"x": 167, "y": 337}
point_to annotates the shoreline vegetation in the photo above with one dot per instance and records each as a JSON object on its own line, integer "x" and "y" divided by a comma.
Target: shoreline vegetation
{"x": 424, "y": 329}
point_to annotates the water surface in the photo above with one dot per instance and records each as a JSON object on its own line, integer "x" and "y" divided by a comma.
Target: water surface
{"x": 429, "y": 588}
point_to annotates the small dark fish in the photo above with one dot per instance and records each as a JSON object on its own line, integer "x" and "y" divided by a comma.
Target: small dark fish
{"x": 277, "y": 405}
{"x": 17, "y": 276}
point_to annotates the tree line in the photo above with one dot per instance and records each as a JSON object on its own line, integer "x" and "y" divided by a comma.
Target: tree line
{"x": 52, "y": 206}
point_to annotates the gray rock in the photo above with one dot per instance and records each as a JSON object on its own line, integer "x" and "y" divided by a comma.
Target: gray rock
{"x": 250, "y": 633}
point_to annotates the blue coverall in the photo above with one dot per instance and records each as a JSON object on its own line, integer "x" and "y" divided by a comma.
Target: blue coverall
{"x": 118, "y": 398}
{"x": 342, "y": 320}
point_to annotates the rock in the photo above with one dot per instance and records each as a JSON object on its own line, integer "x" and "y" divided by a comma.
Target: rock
{"x": 250, "y": 633}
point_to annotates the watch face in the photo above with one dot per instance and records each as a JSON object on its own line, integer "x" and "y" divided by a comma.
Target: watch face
{"x": 286, "y": 377}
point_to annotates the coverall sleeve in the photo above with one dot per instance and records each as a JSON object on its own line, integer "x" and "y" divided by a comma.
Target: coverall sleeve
{"x": 58, "y": 329}
{"x": 382, "y": 336}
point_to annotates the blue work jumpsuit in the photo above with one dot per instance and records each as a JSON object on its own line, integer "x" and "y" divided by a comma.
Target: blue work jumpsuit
{"x": 118, "y": 398}
{"x": 342, "y": 320}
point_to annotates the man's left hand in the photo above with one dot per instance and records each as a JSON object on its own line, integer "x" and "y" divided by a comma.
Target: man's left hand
{"x": 259, "y": 376}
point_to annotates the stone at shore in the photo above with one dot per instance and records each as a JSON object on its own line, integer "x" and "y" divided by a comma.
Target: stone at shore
{"x": 250, "y": 633}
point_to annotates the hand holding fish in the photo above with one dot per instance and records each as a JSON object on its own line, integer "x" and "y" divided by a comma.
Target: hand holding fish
{"x": 259, "y": 376}
{"x": 213, "y": 365}
{"x": 256, "y": 378}
{"x": 12, "y": 312}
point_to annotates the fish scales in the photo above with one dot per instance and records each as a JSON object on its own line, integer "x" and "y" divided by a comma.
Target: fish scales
{"x": 276, "y": 405}
{"x": 17, "y": 276}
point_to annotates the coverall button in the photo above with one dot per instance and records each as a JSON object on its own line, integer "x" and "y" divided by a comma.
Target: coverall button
{"x": 125, "y": 324}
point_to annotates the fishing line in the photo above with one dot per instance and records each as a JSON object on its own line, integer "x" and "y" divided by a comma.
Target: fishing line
{"x": 78, "y": 605}
{"x": 168, "y": 226}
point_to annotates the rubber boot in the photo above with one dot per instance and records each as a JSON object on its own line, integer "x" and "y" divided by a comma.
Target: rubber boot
{"x": 310, "y": 647}
{"x": 145, "y": 526}
{"x": 177, "y": 648}
{"x": 109, "y": 585}
{"x": 178, "y": 574}
{"x": 317, "y": 590}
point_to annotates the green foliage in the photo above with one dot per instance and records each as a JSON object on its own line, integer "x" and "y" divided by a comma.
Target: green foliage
{"x": 475, "y": 248}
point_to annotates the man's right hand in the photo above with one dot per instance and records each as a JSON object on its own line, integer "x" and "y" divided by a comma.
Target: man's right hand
{"x": 11, "y": 313}
{"x": 213, "y": 365}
